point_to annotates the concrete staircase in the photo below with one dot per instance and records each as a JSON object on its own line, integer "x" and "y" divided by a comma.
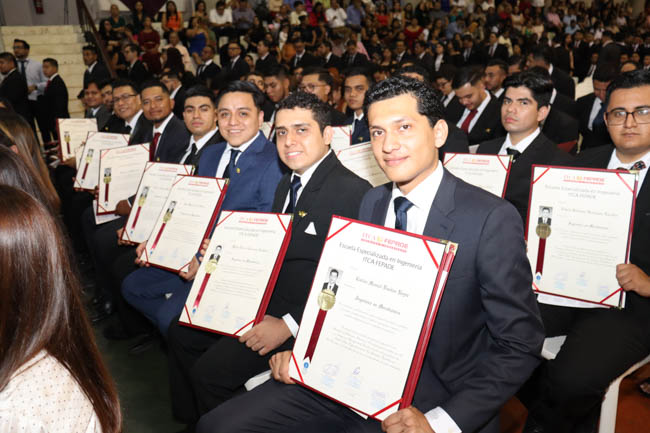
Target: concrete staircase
{"x": 63, "y": 43}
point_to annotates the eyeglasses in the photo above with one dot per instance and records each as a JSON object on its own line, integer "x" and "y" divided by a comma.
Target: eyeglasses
{"x": 310, "y": 87}
{"x": 619, "y": 117}
{"x": 122, "y": 98}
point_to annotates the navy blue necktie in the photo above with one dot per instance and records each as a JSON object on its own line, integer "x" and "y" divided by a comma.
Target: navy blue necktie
{"x": 293, "y": 194}
{"x": 600, "y": 117}
{"x": 231, "y": 165}
{"x": 402, "y": 205}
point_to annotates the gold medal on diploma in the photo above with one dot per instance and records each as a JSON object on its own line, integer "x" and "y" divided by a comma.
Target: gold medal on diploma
{"x": 66, "y": 138}
{"x": 543, "y": 230}
{"x": 326, "y": 299}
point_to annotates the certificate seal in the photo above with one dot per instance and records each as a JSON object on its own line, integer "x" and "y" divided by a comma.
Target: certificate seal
{"x": 543, "y": 230}
{"x": 326, "y": 299}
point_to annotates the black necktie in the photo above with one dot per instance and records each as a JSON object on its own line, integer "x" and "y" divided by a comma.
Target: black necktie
{"x": 22, "y": 67}
{"x": 201, "y": 67}
{"x": 127, "y": 129}
{"x": 600, "y": 117}
{"x": 293, "y": 193}
{"x": 192, "y": 157}
{"x": 514, "y": 152}
{"x": 231, "y": 165}
{"x": 402, "y": 205}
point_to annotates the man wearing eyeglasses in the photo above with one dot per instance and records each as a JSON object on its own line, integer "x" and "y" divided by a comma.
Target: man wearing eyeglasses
{"x": 319, "y": 82}
{"x": 603, "y": 343}
{"x": 128, "y": 119}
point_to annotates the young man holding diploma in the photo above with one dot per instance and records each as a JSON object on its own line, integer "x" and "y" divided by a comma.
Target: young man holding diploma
{"x": 206, "y": 369}
{"x": 487, "y": 336}
{"x": 602, "y": 343}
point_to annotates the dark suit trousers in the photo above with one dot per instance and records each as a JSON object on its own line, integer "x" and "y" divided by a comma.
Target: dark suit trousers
{"x": 601, "y": 345}
{"x": 274, "y": 407}
{"x": 206, "y": 369}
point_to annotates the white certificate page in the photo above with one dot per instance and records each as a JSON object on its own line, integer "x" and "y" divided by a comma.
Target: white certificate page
{"x": 236, "y": 273}
{"x": 369, "y": 298}
{"x": 579, "y": 228}
{"x": 88, "y": 165}
{"x": 72, "y": 135}
{"x": 360, "y": 160}
{"x": 120, "y": 171}
{"x": 152, "y": 193}
{"x": 341, "y": 137}
{"x": 489, "y": 172}
{"x": 183, "y": 222}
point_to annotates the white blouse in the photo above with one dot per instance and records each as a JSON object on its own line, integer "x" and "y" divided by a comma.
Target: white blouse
{"x": 42, "y": 396}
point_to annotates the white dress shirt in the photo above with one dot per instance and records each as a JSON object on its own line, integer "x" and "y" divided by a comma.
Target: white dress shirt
{"x": 35, "y": 77}
{"x": 199, "y": 144}
{"x": 448, "y": 98}
{"x": 479, "y": 110}
{"x": 499, "y": 92}
{"x": 172, "y": 95}
{"x": 595, "y": 108}
{"x": 356, "y": 117}
{"x": 615, "y": 163}
{"x": 521, "y": 146}
{"x": 133, "y": 121}
{"x": 161, "y": 128}
{"x": 225, "y": 157}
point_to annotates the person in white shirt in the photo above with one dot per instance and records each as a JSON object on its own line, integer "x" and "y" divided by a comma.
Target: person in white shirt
{"x": 221, "y": 20}
{"x": 52, "y": 378}
{"x": 32, "y": 70}
{"x": 336, "y": 17}
{"x": 175, "y": 42}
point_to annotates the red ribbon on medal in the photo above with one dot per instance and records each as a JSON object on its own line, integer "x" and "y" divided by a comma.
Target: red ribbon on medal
{"x": 540, "y": 255}
{"x": 135, "y": 220}
{"x": 83, "y": 175}
{"x": 106, "y": 193}
{"x": 155, "y": 242}
{"x": 206, "y": 277}
{"x": 313, "y": 340}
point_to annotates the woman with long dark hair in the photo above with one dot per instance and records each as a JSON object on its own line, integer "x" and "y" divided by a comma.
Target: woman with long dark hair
{"x": 51, "y": 375}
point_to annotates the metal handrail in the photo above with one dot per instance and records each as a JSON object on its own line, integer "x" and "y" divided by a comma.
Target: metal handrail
{"x": 92, "y": 35}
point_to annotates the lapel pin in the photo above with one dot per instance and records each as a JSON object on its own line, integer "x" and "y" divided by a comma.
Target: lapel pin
{"x": 238, "y": 170}
{"x": 302, "y": 213}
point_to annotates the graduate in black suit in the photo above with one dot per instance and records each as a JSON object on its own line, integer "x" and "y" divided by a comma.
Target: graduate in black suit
{"x": 53, "y": 104}
{"x": 94, "y": 101}
{"x": 402, "y": 55}
{"x": 352, "y": 58}
{"x": 541, "y": 56}
{"x": 328, "y": 59}
{"x": 205, "y": 369}
{"x": 135, "y": 69}
{"x": 568, "y": 391}
{"x": 265, "y": 58}
{"x": 494, "y": 50}
{"x": 356, "y": 84}
{"x": 610, "y": 51}
{"x": 302, "y": 59}
{"x": 96, "y": 70}
{"x": 487, "y": 336}
{"x": 423, "y": 58}
{"x": 236, "y": 67}
{"x": 480, "y": 119}
{"x": 496, "y": 70}
{"x": 207, "y": 71}
{"x": 13, "y": 86}
{"x": 525, "y": 106}
{"x": 591, "y": 110}
{"x": 471, "y": 55}
{"x": 319, "y": 82}
{"x": 172, "y": 80}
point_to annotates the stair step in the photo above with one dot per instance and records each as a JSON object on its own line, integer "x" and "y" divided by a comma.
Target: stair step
{"x": 23, "y": 32}
{"x": 44, "y": 39}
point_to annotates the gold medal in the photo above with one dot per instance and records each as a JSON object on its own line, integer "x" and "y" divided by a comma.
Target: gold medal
{"x": 326, "y": 299}
{"x": 543, "y": 230}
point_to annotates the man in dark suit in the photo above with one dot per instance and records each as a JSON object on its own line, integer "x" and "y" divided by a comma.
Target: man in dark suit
{"x": 487, "y": 336}
{"x": 480, "y": 118}
{"x": 494, "y": 50}
{"x": 265, "y": 60}
{"x": 53, "y": 104}
{"x": 443, "y": 82}
{"x": 423, "y": 58}
{"x": 319, "y": 82}
{"x": 236, "y": 67}
{"x": 471, "y": 55}
{"x": 207, "y": 71}
{"x": 591, "y": 109}
{"x": 545, "y": 218}
{"x": 525, "y": 105}
{"x": 13, "y": 86}
{"x": 357, "y": 82}
{"x": 172, "y": 81}
{"x": 402, "y": 55}
{"x": 135, "y": 69}
{"x": 94, "y": 101}
{"x": 208, "y": 369}
{"x": 541, "y": 56}
{"x": 96, "y": 70}
{"x": 610, "y": 51}
{"x": 581, "y": 55}
{"x": 496, "y": 71}
{"x": 568, "y": 392}
{"x": 561, "y": 129}
{"x": 329, "y": 59}
{"x": 352, "y": 58}
{"x": 302, "y": 59}
{"x": 250, "y": 162}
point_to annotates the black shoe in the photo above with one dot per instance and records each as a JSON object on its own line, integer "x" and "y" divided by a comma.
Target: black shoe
{"x": 116, "y": 332}
{"x": 143, "y": 344}
{"x": 103, "y": 311}
{"x": 532, "y": 426}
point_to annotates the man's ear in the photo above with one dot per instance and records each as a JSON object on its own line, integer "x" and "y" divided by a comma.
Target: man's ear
{"x": 260, "y": 117}
{"x": 440, "y": 133}
{"x": 328, "y": 132}
{"x": 542, "y": 113}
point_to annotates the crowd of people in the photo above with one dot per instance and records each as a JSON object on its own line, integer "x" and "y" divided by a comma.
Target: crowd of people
{"x": 415, "y": 81}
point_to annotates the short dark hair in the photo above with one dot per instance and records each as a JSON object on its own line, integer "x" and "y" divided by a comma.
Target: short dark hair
{"x": 105, "y": 83}
{"x": 133, "y": 47}
{"x": 125, "y": 83}
{"x": 90, "y": 48}
{"x": 359, "y": 70}
{"x": 21, "y": 41}
{"x": 279, "y": 71}
{"x": 245, "y": 87}
{"x": 92, "y": 81}
{"x": 320, "y": 111}
{"x": 8, "y": 57}
{"x": 255, "y": 72}
{"x": 200, "y": 90}
{"x": 154, "y": 83}
{"x": 415, "y": 69}
{"x": 605, "y": 72}
{"x": 427, "y": 98}
{"x": 323, "y": 74}
{"x": 327, "y": 43}
{"x": 468, "y": 74}
{"x": 517, "y": 60}
{"x": 542, "y": 52}
{"x": 630, "y": 62}
{"x": 350, "y": 43}
{"x": 448, "y": 72}
{"x": 51, "y": 61}
{"x": 500, "y": 63}
{"x": 171, "y": 74}
{"x": 540, "y": 85}
{"x": 628, "y": 80}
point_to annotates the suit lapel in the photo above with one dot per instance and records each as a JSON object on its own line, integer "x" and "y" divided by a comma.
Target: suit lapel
{"x": 381, "y": 205}
{"x": 247, "y": 159}
{"x": 438, "y": 223}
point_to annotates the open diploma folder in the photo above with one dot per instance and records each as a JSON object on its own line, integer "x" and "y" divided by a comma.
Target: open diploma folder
{"x": 155, "y": 184}
{"x": 87, "y": 177}
{"x": 367, "y": 322}
{"x": 360, "y": 160}
{"x": 72, "y": 136}
{"x": 234, "y": 283}
{"x": 120, "y": 171}
{"x": 185, "y": 220}
{"x": 579, "y": 228}
{"x": 489, "y": 172}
